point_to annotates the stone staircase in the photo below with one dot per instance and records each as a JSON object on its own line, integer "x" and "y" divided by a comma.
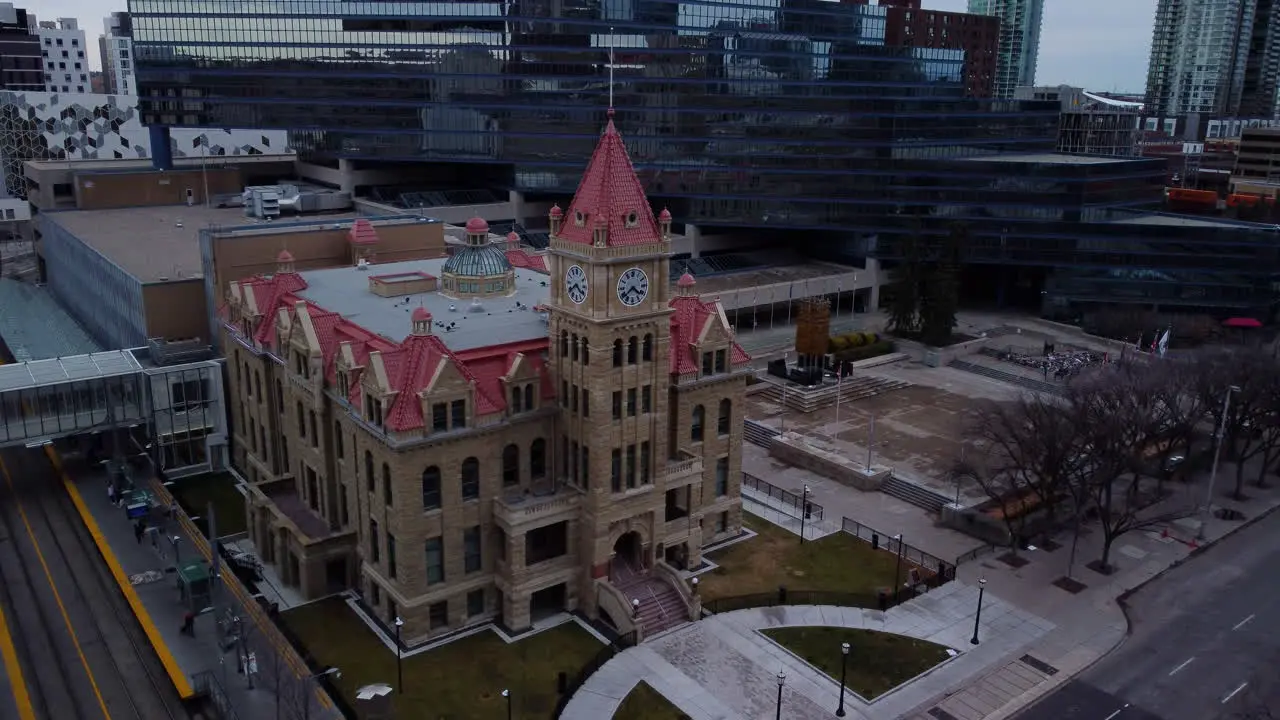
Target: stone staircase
{"x": 854, "y": 388}
{"x": 921, "y": 497}
{"x": 758, "y": 433}
{"x": 661, "y": 607}
{"x": 1007, "y": 377}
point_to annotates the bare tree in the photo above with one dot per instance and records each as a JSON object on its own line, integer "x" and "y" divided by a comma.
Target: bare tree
{"x": 1032, "y": 454}
{"x": 1253, "y": 372}
{"x": 1181, "y": 410}
{"x": 1118, "y": 417}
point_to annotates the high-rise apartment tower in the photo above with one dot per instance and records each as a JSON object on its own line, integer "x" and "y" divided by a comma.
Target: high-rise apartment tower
{"x": 1019, "y": 41}
{"x": 1219, "y": 57}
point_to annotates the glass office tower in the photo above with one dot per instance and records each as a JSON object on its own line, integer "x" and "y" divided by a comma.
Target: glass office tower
{"x": 752, "y": 112}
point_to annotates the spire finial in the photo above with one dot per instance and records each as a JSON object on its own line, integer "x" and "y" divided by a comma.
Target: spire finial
{"x": 611, "y": 72}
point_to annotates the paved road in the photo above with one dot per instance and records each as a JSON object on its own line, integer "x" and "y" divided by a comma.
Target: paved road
{"x": 1205, "y": 642}
{"x": 81, "y": 650}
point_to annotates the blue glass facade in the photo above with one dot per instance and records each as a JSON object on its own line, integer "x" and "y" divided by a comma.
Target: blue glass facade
{"x": 755, "y": 112}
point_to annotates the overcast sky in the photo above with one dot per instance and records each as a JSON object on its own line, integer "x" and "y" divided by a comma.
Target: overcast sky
{"x": 1100, "y": 44}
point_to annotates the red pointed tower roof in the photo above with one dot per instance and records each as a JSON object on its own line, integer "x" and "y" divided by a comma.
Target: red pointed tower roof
{"x": 610, "y": 191}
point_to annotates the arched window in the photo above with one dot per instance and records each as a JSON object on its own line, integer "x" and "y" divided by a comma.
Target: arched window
{"x": 517, "y": 400}
{"x": 574, "y": 349}
{"x": 470, "y": 479}
{"x": 257, "y": 386}
{"x": 564, "y": 343}
{"x": 695, "y": 427}
{"x": 528, "y": 396}
{"x": 386, "y": 484}
{"x": 586, "y": 351}
{"x": 302, "y": 421}
{"x": 431, "y": 488}
{"x": 538, "y": 459}
{"x": 646, "y": 352}
{"x": 369, "y": 480}
{"x": 633, "y": 347}
{"x": 726, "y": 413}
{"x": 511, "y": 465}
{"x": 617, "y": 353}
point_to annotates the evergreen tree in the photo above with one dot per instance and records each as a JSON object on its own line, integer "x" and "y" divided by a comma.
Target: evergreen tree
{"x": 904, "y": 311}
{"x": 940, "y": 296}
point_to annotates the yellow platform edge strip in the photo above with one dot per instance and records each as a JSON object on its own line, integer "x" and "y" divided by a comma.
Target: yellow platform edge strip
{"x": 13, "y": 669}
{"x": 176, "y": 676}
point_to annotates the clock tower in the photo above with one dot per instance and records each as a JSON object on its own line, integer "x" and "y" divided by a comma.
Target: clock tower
{"x": 610, "y": 326}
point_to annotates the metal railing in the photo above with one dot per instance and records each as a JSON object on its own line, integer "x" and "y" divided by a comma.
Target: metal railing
{"x": 606, "y": 653}
{"x": 784, "y": 596}
{"x": 206, "y": 684}
{"x": 910, "y": 553}
{"x": 790, "y": 502}
{"x": 975, "y": 553}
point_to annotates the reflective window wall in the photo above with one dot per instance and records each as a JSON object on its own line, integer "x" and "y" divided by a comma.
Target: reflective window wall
{"x": 759, "y": 103}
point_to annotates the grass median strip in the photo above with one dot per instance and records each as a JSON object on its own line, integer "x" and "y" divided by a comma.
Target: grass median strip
{"x": 878, "y": 661}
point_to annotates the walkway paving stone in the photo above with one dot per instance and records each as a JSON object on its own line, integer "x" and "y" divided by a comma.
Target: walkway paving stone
{"x": 723, "y": 668}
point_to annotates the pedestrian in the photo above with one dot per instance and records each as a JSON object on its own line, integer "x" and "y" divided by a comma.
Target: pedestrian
{"x": 111, "y": 493}
{"x": 188, "y": 624}
{"x": 139, "y": 529}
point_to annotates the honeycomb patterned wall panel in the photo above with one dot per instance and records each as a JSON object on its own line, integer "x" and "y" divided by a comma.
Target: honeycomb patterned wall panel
{"x": 75, "y": 126}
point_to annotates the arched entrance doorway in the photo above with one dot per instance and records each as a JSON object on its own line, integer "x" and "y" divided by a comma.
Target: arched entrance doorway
{"x": 627, "y": 556}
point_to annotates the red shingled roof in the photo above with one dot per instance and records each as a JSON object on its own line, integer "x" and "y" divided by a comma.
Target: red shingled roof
{"x": 687, "y": 323}
{"x": 610, "y": 191}
{"x": 522, "y": 259}
{"x": 362, "y": 233}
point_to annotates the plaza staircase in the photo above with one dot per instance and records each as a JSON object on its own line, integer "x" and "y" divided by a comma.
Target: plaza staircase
{"x": 921, "y": 497}
{"x": 852, "y": 389}
{"x": 758, "y": 433}
{"x": 1007, "y": 377}
{"x": 661, "y": 606}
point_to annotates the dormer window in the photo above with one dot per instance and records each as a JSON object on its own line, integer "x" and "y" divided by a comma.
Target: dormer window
{"x": 344, "y": 383}
{"x": 373, "y": 410}
{"x": 302, "y": 364}
{"x": 631, "y": 219}
{"x": 579, "y": 218}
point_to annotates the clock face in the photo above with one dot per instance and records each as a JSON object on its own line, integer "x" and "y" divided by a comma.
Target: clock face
{"x": 575, "y": 284}
{"x": 633, "y": 287}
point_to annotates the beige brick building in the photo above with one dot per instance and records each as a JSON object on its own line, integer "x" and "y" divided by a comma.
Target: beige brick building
{"x": 494, "y": 435}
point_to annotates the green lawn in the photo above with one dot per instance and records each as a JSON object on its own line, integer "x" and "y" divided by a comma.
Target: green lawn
{"x": 463, "y": 679}
{"x": 878, "y": 661}
{"x": 645, "y": 703}
{"x": 195, "y": 493}
{"x": 775, "y": 557}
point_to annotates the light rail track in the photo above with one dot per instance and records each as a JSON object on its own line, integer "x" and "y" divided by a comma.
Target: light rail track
{"x": 85, "y": 653}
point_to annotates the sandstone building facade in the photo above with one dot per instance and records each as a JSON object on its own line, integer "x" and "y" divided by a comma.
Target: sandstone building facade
{"x": 493, "y": 435}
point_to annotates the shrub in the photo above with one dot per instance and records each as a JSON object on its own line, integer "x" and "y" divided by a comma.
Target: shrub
{"x": 837, "y": 344}
{"x": 855, "y": 340}
{"x": 881, "y": 347}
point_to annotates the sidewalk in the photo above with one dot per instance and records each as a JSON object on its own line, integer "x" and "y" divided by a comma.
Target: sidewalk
{"x": 146, "y": 571}
{"x": 721, "y": 667}
{"x": 1088, "y": 624}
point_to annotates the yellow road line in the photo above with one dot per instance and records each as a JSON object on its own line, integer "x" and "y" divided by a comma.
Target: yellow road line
{"x": 10, "y": 656}
{"x": 57, "y": 597}
{"x": 176, "y": 676}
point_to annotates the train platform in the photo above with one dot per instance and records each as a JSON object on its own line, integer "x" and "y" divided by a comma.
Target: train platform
{"x": 164, "y": 575}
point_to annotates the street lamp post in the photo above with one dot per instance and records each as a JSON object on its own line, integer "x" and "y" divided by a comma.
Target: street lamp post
{"x": 897, "y": 569}
{"x": 804, "y": 511}
{"x": 307, "y": 693}
{"x": 399, "y": 658}
{"x": 844, "y": 666}
{"x": 982, "y": 587}
{"x": 782, "y": 680}
{"x": 1217, "y": 451}
{"x": 507, "y": 694}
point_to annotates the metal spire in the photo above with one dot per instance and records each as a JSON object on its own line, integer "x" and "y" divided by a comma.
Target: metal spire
{"x": 610, "y": 71}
